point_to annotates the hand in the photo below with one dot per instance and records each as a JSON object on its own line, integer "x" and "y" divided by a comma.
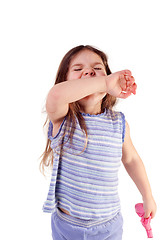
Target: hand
{"x": 150, "y": 207}
{"x": 121, "y": 84}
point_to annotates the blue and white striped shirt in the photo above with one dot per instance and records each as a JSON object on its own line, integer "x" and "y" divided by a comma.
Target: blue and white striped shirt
{"x": 86, "y": 183}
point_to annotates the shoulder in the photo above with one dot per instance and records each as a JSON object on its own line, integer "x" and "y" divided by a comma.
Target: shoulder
{"x": 117, "y": 117}
{"x": 127, "y": 131}
{"x": 115, "y": 114}
{"x": 128, "y": 149}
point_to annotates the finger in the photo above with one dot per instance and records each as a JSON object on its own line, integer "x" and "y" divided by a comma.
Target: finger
{"x": 130, "y": 80}
{"x": 147, "y": 214}
{"x": 127, "y": 72}
{"x": 132, "y": 88}
{"x": 153, "y": 214}
{"x": 122, "y": 82}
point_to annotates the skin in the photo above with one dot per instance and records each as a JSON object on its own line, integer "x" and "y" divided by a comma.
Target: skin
{"x": 86, "y": 65}
{"x": 87, "y": 82}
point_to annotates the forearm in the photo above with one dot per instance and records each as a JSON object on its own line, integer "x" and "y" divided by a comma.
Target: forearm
{"x": 137, "y": 172}
{"x": 73, "y": 90}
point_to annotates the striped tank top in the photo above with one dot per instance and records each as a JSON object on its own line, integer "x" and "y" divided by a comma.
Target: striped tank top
{"x": 85, "y": 183}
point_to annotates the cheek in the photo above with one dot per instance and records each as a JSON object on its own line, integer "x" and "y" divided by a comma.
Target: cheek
{"x": 103, "y": 73}
{"x": 73, "y": 75}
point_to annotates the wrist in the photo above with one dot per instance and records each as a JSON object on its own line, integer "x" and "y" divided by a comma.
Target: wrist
{"x": 147, "y": 197}
{"x": 102, "y": 84}
{"x": 107, "y": 83}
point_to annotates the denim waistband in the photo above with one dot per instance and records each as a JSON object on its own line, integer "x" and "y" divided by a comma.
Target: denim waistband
{"x": 83, "y": 222}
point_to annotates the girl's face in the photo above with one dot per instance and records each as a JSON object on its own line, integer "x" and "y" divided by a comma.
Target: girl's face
{"x": 87, "y": 64}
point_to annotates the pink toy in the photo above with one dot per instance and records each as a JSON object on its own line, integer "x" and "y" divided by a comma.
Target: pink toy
{"x": 145, "y": 221}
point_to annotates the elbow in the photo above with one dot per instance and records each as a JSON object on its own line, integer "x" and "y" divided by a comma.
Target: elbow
{"x": 52, "y": 100}
{"x": 132, "y": 161}
{"x": 127, "y": 161}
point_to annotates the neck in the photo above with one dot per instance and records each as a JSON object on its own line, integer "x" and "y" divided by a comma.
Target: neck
{"x": 92, "y": 110}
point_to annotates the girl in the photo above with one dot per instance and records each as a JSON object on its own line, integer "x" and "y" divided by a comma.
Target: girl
{"x": 86, "y": 142}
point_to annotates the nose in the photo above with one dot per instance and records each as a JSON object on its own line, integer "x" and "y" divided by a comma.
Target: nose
{"x": 88, "y": 72}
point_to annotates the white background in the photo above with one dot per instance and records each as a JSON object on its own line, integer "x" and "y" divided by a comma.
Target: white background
{"x": 35, "y": 35}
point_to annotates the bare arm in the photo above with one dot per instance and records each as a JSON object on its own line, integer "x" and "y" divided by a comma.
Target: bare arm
{"x": 137, "y": 172}
{"x": 73, "y": 90}
{"x": 70, "y": 91}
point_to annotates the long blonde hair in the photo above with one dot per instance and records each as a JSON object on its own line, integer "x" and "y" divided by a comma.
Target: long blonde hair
{"x": 74, "y": 109}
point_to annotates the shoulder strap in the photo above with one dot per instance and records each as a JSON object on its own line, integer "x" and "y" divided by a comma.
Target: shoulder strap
{"x": 123, "y": 126}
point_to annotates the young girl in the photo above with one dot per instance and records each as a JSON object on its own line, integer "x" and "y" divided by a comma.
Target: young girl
{"x": 86, "y": 142}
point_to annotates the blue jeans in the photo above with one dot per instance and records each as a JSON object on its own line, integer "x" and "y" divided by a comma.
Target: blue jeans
{"x": 65, "y": 227}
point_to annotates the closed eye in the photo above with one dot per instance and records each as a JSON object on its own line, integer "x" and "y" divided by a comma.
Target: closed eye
{"x": 97, "y": 68}
{"x": 77, "y": 69}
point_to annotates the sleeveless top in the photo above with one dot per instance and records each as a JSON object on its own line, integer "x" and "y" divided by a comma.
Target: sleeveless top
{"x": 85, "y": 183}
